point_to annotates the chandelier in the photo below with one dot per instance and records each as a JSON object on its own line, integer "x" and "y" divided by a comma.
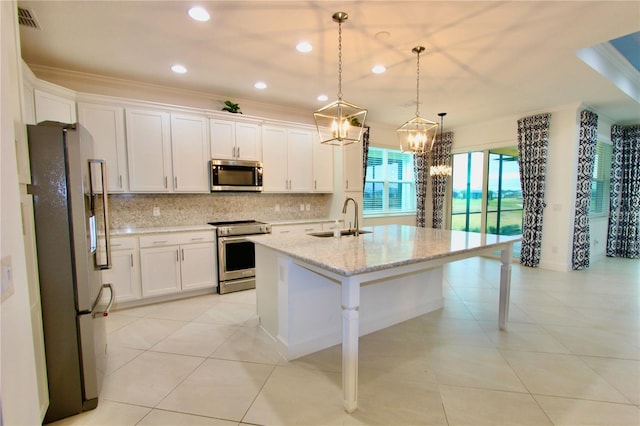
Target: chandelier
{"x": 418, "y": 134}
{"x": 440, "y": 169}
{"x": 343, "y": 120}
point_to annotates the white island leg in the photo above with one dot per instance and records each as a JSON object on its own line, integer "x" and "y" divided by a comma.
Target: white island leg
{"x": 350, "y": 334}
{"x": 505, "y": 286}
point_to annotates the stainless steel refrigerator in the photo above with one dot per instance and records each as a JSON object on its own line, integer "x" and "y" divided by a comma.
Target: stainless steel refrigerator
{"x": 68, "y": 212}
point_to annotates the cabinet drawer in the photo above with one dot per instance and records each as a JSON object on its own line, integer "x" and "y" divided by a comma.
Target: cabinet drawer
{"x": 123, "y": 243}
{"x": 176, "y": 238}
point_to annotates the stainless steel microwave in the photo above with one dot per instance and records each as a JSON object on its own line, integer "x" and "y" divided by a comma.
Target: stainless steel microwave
{"x": 235, "y": 175}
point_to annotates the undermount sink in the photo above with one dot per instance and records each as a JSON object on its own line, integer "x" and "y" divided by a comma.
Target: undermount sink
{"x": 343, "y": 232}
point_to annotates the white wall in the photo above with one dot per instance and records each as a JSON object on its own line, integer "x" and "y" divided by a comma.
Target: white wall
{"x": 20, "y": 401}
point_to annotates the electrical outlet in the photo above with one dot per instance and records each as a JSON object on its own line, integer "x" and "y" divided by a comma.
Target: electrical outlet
{"x": 307, "y": 207}
{"x": 277, "y": 207}
{"x": 301, "y": 207}
{"x": 156, "y": 211}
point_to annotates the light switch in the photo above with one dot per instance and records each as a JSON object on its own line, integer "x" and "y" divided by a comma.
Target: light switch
{"x": 6, "y": 278}
{"x": 156, "y": 211}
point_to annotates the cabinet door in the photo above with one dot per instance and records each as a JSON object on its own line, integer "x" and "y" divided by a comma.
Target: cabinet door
{"x": 299, "y": 160}
{"x": 223, "y": 139}
{"x": 148, "y": 150}
{"x": 104, "y": 124}
{"x": 160, "y": 270}
{"x": 54, "y": 108}
{"x": 274, "y": 159}
{"x": 198, "y": 268}
{"x": 189, "y": 153}
{"x": 352, "y": 167}
{"x": 123, "y": 276}
{"x": 322, "y": 166}
{"x": 248, "y": 146}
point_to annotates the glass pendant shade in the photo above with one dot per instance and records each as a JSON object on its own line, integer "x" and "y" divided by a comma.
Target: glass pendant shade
{"x": 340, "y": 122}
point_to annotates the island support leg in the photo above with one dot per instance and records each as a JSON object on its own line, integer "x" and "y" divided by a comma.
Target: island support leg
{"x": 350, "y": 334}
{"x": 505, "y": 286}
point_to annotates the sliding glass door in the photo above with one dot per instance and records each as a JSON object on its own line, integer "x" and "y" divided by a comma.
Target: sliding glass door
{"x": 486, "y": 194}
{"x": 467, "y": 195}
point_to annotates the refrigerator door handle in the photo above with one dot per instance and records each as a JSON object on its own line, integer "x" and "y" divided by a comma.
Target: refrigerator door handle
{"x": 95, "y": 303}
{"x": 105, "y": 212}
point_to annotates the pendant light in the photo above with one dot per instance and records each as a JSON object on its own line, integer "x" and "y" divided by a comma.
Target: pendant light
{"x": 440, "y": 169}
{"x": 417, "y": 135}
{"x": 343, "y": 120}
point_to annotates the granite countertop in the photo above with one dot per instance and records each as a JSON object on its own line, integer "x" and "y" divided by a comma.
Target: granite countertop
{"x": 387, "y": 246}
{"x": 158, "y": 230}
{"x": 131, "y": 231}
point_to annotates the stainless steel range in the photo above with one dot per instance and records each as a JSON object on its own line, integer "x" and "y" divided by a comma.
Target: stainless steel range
{"x": 236, "y": 254}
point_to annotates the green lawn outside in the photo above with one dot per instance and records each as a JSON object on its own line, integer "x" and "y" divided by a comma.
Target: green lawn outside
{"x": 510, "y": 217}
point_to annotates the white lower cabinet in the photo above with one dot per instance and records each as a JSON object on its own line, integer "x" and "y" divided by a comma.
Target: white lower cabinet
{"x": 124, "y": 274}
{"x": 175, "y": 262}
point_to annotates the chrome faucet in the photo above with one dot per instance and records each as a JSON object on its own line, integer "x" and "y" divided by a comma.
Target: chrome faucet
{"x": 356, "y": 232}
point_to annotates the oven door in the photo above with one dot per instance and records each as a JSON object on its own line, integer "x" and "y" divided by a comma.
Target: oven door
{"x": 236, "y": 258}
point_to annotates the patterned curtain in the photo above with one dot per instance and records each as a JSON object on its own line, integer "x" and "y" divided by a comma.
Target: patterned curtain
{"x": 533, "y": 142}
{"x": 420, "y": 172}
{"x": 365, "y": 155}
{"x": 441, "y": 154}
{"x": 624, "y": 199}
{"x": 586, "y": 157}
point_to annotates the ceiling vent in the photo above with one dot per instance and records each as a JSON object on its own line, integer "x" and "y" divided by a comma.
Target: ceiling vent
{"x": 27, "y": 18}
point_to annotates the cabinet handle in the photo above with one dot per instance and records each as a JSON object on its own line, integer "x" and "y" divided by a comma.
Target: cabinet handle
{"x": 160, "y": 242}
{"x": 131, "y": 259}
{"x": 116, "y": 245}
{"x": 347, "y": 183}
{"x": 182, "y": 250}
{"x": 238, "y": 149}
{"x": 177, "y": 255}
{"x": 197, "y": 239}
{"x": 165, "y": 182}
{"x": 120, "y": 181}
{"x": 233, "y": 152}
{"x": 175, "y": 182}
{"x": 315, "y": 185}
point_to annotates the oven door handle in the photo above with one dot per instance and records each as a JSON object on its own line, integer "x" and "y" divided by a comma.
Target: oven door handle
{"x": 235, "y": 238}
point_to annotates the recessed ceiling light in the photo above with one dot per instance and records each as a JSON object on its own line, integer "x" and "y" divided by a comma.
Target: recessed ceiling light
{"x": 304, "y": 47}
{"x": 323, "y": 98}
{"x": 260, "y": 85}
{"x": 178, "y": 69}
{"x": 199, "y": 14}
{"x": 378, "y": 69}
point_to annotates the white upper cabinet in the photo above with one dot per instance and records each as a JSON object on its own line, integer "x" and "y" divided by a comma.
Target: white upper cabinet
{"x": 104, "y": 125}
{"x": 322, "y": 166}
{"x": 352, "y": 167}
{"x": 148, "y": 150}
{"x": 235, "y": 140}
{"x": 287, "y": 159}
{"x": 190, "y": 153}
{"x": 51, "y": 107}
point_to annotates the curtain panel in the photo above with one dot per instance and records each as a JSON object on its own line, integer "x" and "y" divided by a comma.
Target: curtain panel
{"x": 533, "y": 148}
{"x": 624, "y": 199}
{"x": 420, "y": 173}
{"x": 586, "y": 156}
{"x": 440, "y": 154}
{"x": 365, "y": 155}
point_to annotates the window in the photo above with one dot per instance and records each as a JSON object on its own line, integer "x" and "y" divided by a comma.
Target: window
{"x": 390, "y": 186}
{"x": 600, "y": 180}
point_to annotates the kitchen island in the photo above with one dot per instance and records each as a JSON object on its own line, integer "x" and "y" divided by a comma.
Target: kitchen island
{"x": 314, "y": 292}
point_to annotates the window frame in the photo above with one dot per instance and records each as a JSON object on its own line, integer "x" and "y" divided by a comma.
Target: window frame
{"x": 601, "y": 175}
{"x": 385, "y": 211}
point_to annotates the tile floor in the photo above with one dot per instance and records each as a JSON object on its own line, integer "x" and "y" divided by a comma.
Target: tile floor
{"x": 571, "y": 356}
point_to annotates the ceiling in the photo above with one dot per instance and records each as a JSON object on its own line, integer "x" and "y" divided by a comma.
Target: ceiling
{"x": 484, "y": 59}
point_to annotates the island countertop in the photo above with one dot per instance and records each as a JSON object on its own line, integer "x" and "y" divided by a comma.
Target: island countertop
{"x": 387, "y": 246}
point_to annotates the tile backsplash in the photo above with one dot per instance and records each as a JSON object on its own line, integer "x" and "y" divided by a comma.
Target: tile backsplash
{"x": 137, "y": 210}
